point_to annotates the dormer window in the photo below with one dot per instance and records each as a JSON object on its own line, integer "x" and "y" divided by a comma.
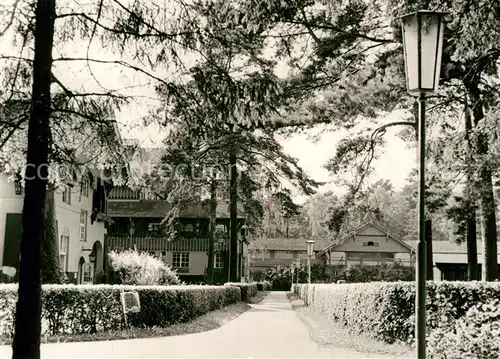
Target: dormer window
{"x": 66, "y": 195}
{"x": 17, "y": 186}
{"x": 370, "y": 244}
{"x": 85, "y": 188}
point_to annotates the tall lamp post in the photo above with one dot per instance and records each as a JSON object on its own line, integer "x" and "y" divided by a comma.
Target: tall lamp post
{"x": 310, "y": 253}
{"x": 422, "y": 44}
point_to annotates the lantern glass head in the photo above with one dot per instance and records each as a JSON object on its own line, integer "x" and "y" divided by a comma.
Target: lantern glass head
{"x": 423, "y": 43}
{"x": 310, "y": 248}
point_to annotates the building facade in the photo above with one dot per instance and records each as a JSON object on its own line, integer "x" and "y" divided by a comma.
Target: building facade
{"x": 137, "y": 219}
{"x": 81, "y": 224}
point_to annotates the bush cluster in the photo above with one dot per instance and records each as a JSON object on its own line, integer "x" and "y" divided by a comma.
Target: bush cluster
{"x": 130, "y": 267}
{"x": 83, "y": 309}
{"x": 281, "y": 276}
{"x": 476, "y": 335}
{"x": 264, "y": 286}
{"x": 386, "y": 310}
{"x": 248, "y": 290}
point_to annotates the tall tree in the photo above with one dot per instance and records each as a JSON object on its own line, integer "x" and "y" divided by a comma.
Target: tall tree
{"x": 26, "y": 343}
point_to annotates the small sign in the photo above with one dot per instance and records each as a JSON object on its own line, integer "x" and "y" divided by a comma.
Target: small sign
{"x": 130, "y": 302}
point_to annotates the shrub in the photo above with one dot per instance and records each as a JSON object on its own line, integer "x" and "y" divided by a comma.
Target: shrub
{"x": 248, "y": 290}
{"x": 476, "y": 335}
{"x": 133, "y": 268}
{"x": 281, "y": 277}
{"x": 386, "y": 310}
{"x": 83, "y": 309}
{"x": 264, "y": 286}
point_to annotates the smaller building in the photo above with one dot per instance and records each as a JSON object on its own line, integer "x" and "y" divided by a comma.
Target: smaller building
{"x": 266, "y": 253}
{"x": 369, "y": 245}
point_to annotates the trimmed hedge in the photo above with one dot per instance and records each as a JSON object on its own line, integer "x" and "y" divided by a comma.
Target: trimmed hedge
{"x": 83, "y": 309}
{"x": 476, "y": 335}
{"x": 264, "y": 286}
{"x": 386, "y": 310}
{"x": 248, "y": 290}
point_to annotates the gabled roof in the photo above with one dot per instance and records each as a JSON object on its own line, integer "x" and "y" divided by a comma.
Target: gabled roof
{"x": 359, "y": 229}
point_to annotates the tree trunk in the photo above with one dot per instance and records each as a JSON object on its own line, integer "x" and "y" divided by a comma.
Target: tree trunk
{"x": 49, "y": 255}
{"x": 485, "y": 186}
{"x": 428, "y": 239}
{"x": 472, "y": 265}
{"x": 233, "y": 216}
{"x": 26, "y": 343}
{"x": 213, "y": 217}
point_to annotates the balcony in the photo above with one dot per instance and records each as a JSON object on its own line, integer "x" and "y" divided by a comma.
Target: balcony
{"x": 159, "y": 243}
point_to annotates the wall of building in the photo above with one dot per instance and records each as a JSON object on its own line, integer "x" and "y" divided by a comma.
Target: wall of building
{"x": 9, "y": 203}
{"x": 67, "y": 216}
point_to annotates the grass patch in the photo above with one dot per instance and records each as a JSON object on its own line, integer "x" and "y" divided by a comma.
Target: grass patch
{"x": 206, "y": 322}
{"x": 259, "y": 297}
{"x": 329, "y": 334}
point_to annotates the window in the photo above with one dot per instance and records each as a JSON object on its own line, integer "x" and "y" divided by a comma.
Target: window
{"x": 153, "y": 227}
{"x": 85, "y": 188}
{"x": 180, "y": 260}
{"x": 63, "y": 252}
{"x": 370, "y": 244}
{"x": 218, "y": 260}
{"x": 66, "y": 196}
{"x": 83, "y": 225}
{"x": 189, "y": 228}
{"x": 18, "y": 186}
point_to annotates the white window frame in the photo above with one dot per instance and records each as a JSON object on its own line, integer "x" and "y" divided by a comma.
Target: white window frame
{"x": 85, "y": 188}
{"x": 83, "y": 225}
{"x": 182, "y": 260}
{"x": 218, "y": 260}
{"x": 66, "y": 195}
{"x": 63, "y": 252}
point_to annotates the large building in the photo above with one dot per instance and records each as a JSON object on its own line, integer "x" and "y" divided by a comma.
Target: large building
{"x": 137, "y": 221}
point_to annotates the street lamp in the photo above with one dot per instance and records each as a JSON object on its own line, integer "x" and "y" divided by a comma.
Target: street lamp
{"x": 310, "y": 253}
{"x": 422, "y": 43}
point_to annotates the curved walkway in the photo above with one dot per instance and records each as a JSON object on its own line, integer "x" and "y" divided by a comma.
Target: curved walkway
{"x": 269, "y": 329}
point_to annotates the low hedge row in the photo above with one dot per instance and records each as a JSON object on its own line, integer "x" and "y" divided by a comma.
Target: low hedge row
{"x": 264, "y": 286}
{"x": 386, "y": 310}
{"x": 248, "y": 290}
{"x": 83, "y": 309}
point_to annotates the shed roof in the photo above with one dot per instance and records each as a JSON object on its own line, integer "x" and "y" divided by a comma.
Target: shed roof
{"x": 159, "y": 208}
{"x": 286, "y": 244}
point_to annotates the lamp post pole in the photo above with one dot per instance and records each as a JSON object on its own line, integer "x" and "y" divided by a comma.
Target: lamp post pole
{"x": 310, "y": 252}
{"x": 298, "y": 270}
{"x": 308, "y": 270}
{"x": 421, "y": 276}
{"x": 422, "y": 44}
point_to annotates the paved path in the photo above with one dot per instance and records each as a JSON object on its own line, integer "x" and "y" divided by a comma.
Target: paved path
{"x": 269, "y": 329}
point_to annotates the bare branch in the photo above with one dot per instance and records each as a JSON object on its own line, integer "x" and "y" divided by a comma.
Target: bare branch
{"x": 11, "y": 18}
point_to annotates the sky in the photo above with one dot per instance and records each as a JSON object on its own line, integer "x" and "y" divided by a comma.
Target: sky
{"x": 313, "y": 149}
{"x": 395, "y": 162}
